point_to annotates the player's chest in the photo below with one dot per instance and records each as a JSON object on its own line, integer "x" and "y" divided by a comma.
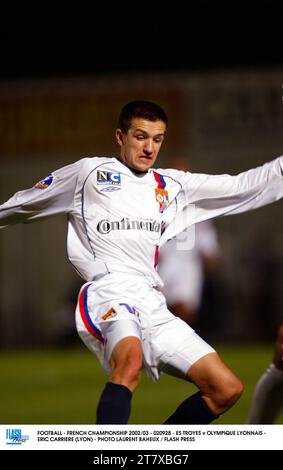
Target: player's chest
{"x": 128, "y": 195}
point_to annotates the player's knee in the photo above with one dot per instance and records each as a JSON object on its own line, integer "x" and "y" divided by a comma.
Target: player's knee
{"x": 132, "y": 367}
{"x": 227, "y": 395}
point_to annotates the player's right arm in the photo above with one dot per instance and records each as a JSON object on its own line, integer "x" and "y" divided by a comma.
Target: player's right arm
{"x": 51, "y": 196}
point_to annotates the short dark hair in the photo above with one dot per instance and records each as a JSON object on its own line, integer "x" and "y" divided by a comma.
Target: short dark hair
{"x": 140, "y": 109}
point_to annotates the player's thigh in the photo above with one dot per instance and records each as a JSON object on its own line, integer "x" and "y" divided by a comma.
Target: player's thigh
{"x": 182, "y": 347}
{"x": 123, "y": 343}
{"x": 212, "y": 375}
{"x": 127, "y": 353}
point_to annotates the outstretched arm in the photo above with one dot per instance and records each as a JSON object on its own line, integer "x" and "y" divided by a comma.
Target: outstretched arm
{"x": 51, "y": 196}
{"x": 207, "y": 196}
{"x": 225, "y": 194}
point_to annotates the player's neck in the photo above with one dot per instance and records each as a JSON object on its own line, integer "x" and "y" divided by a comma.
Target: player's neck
{"x": 133, "y": 170}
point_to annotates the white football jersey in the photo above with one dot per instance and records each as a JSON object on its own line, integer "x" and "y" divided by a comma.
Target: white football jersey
{"x": 118, "y": 219}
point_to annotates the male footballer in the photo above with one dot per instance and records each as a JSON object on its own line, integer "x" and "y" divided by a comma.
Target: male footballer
{"x": 120, "y": 211}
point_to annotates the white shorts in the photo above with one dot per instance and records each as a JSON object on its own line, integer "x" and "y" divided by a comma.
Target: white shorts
{"x": 119, "y": 305}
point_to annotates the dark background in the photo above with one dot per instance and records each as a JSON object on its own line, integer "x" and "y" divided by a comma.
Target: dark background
{"x": 138, "y": 37}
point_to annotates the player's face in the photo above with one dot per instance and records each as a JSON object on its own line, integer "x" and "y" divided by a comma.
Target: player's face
{"x": 141, "y": 145}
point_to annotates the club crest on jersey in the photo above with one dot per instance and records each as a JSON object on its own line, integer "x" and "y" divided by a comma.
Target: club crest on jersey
{"x": 108, "y": 177}
{"x": 110, "y": 314}
{"x": 161, "y": 195}
{"x": 45, "y": 183}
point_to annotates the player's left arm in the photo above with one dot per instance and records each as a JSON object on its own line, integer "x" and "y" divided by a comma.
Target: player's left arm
{"x": 215, "y": 195}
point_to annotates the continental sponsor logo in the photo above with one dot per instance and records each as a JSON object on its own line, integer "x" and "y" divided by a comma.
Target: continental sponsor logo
{"x": 106, "y": 226}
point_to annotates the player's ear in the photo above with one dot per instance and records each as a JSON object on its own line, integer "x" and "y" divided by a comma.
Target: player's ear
{"x": 119, "y": 136}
